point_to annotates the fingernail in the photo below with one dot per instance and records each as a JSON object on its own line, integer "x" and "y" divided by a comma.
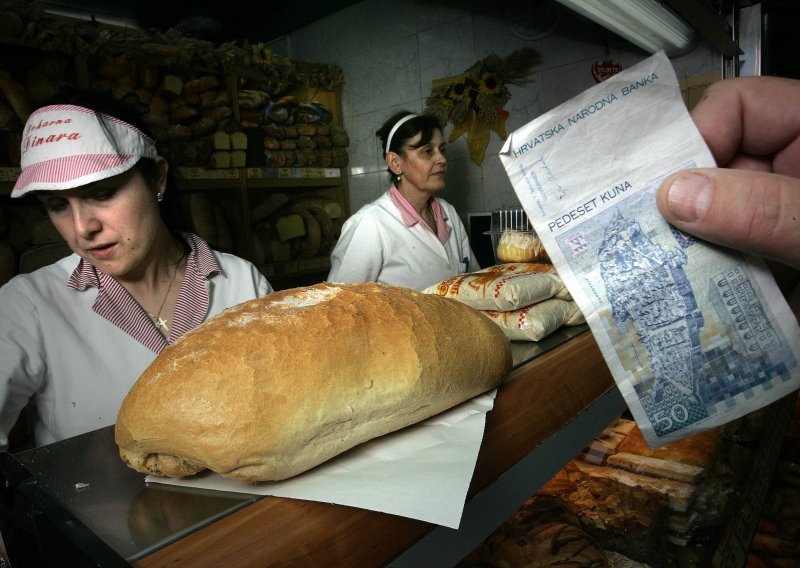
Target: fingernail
{"x": 689, "y": 197}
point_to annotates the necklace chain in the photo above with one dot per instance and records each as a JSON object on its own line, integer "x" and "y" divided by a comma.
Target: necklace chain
{"x": 158, "y": 321}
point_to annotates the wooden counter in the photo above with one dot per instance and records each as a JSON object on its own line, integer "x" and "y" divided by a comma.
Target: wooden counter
{"x": 544, "y": 414}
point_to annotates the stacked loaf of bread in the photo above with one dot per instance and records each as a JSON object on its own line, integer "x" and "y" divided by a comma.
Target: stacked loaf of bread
{"x": 528, "y": 301}
{"x": 292, "y": 134}
{"x": 283, "y": 228}
{"x": 275, "y": 386}
{"x": 208, "y": 105}
{"x": 299, "y": 227}
{"x": 192, "y": 118}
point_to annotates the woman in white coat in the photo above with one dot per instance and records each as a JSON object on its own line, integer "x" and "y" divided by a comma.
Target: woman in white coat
{"x": 75, "y": 335}
{"x": 408, "y": 236}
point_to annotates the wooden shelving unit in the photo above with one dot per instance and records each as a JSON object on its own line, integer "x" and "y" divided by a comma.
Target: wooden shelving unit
{"x": 91, "y": 58}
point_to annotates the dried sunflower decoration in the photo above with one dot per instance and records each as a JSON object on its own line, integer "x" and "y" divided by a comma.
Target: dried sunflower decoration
{"x": 473, "y": 101}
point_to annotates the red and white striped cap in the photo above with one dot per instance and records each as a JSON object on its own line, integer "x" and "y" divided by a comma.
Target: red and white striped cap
{"x": 67, "y": 146}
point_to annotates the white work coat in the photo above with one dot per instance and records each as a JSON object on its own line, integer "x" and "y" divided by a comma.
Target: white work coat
{"x": 77, "y": 365}
{"x": 376, "y": 246}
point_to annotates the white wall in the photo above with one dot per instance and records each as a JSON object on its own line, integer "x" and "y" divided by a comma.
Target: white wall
{"x": 390, "y": 51}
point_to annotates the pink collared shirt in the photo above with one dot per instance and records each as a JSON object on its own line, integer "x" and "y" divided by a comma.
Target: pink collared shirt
{"x": 115, "y": 304}
{"x": 411, "y": 217}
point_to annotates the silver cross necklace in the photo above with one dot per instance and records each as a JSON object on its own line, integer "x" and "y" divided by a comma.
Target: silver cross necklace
{"x": 158, "y": 321}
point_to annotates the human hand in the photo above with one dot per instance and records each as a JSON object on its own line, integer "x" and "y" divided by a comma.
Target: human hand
{"x": 752, "y": 201}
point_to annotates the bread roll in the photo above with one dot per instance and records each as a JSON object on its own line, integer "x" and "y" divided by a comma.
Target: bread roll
{"x": 520, "y": 246}
{"x": 326, "y": 229}
{"x": 275, "y": 386}
{"x": 313, "y": 238}
{"x": 200, "y": 85}
{"x": 272, "y": 203}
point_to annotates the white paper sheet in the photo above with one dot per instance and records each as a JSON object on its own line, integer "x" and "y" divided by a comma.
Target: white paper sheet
{"x": 422, "y": 472}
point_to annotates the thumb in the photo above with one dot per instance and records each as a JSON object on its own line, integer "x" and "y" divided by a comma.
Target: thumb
{"x": 750, "y": 211}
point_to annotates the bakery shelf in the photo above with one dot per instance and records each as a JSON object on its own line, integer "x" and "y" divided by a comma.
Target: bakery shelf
{"x": 316, "y": 174}
{"x": 106, "y": 52}
{"x": 281, "y": 175}
{"x": 285, "y": 178}
{"x": 299, "y": 267}
{"x": 203, "y": 174}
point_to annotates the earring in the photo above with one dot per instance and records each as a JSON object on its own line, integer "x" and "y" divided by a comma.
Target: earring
{"x": 400, "y": 175}
{"x": 159, "y": 197}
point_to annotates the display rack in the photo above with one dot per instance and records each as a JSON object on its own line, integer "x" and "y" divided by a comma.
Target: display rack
{"x": 145, "y": 68}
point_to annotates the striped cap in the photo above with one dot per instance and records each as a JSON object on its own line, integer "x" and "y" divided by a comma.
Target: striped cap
{"x": 67, "y": 146}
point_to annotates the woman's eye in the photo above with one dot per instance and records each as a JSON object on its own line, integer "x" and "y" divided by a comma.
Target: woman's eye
{"x": 104, "y": 194}
{"x": 55, "y": 206}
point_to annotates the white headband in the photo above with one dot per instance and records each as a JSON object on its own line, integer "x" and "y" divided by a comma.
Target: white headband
{"x": 66, "y": 146}
{"x": 397, "y": 125}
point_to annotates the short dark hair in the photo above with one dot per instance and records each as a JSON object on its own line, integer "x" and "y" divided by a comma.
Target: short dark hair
{"x": 424, "y": 124}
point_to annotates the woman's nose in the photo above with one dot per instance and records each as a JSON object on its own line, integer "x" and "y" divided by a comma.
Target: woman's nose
{"x": 85, "y": 221}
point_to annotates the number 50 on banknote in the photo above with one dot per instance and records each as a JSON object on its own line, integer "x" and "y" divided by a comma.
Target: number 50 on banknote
{"x": 695, "y": 335}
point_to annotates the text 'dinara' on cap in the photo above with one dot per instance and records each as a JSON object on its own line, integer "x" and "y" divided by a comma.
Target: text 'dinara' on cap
{"x": 67, "y": 146}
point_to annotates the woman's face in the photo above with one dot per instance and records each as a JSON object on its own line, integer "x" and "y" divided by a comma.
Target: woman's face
{"x": 111, "y": 223}
{"x": 424, "y": 167}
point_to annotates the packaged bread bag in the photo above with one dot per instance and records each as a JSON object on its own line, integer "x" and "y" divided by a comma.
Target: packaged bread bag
{"x": 537, "y": 321}
{"x": 527, "y": 300}
{"x": 515, "y": 267}
{"x": 495, "y": 288}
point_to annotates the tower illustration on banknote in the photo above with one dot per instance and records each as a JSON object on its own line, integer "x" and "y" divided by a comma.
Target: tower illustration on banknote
{"x": 646, "y": 284}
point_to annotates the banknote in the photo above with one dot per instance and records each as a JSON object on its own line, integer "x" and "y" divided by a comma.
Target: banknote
{"x": 694, "y": 334}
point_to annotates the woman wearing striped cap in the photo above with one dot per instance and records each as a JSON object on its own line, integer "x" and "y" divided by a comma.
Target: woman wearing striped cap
{"x": 75, "y": 335}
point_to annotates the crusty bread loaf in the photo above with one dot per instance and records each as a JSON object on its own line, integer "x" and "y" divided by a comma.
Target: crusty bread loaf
{"x": 275, "y": 386}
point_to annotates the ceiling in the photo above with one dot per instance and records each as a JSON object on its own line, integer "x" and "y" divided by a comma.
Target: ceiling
{"x": 228, "y": 20}
{"x": 213, "y": 20}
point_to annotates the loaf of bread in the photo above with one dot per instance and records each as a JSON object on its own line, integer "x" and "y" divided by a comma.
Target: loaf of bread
{"x": 275, "y": 386}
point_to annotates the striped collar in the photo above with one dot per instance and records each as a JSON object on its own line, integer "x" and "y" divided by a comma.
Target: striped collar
{"x": 116, "y": 305}
{"x": 411, "y": 217}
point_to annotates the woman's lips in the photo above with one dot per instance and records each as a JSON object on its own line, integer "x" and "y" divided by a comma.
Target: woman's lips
{"x": 102, "y": 252}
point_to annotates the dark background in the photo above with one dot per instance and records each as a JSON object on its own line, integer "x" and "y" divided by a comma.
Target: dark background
{"x": 217, "y": 21}
{"x": 229, "y": 20}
